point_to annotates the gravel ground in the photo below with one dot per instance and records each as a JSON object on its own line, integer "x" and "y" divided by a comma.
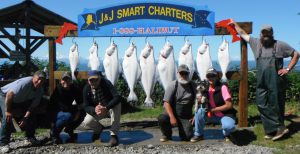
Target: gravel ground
{"x": 211, "y": 148}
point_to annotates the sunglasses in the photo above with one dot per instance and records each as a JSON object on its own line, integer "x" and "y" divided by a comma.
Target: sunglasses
{"x": 184, "y": 73}
{"x": 211, "y": 75}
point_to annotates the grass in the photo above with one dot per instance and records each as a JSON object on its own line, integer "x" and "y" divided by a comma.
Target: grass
{"x": 145, "y": 113}
{"x": 289, "y": 144}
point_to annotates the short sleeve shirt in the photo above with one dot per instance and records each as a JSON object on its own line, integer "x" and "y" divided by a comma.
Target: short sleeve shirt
{"x": 283, "y": 50}
{"x": 24, "y": 90}
{"x": 184, "y": 99}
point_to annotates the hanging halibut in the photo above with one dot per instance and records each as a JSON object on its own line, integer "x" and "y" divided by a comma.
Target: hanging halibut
{"x": 73, "y": 59}
{"x": 203, "y": 60}
{"x": 94, "y": 62}
{"x": 148, "y": 68}
{"x": 132, "y": 70}
{"x": 224, "y": 59}
{"x": 166, "y": 65}
{"x": 111, "y": 63}
{"x": 186, "y": 57}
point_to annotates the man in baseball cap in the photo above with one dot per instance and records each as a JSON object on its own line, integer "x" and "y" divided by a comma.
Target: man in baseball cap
{"x": 101, "y": 100}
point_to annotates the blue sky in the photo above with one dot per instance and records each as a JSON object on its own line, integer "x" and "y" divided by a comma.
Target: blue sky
{"x": 282, "y": 15}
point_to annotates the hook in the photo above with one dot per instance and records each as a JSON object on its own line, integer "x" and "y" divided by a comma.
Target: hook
{"x": 130, "y": 39}
{"x": 94, "y": 40}
{"x": 73, "y": 40}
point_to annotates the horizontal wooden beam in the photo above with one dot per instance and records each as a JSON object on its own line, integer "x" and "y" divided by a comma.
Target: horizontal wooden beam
{"x": 231, "y": 75}
{"x": 53, "y": 30}
{"x": 78, "y": 74}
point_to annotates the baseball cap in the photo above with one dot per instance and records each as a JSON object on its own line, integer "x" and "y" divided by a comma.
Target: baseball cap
{"x": 93, "y": 74}
{"x": 267, "y": 28}
{"x": 40, "y": 74}
{"x": 66, "y": 75}
{"x": 183, "y": 68}
{"x": 211, "y": 72}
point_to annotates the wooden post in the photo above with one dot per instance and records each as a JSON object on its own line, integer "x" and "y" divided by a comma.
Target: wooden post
{"x": 243, "y": 90}
{"x": 52, "y": 63}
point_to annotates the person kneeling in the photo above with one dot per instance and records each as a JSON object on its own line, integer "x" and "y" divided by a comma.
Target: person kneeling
{"x": 101, "y": 100}
{"x": 178, "y": 102}
{"x": 220, "y": 108}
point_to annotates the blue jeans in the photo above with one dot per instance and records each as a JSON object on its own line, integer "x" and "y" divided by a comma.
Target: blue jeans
{"x": 65, "y": 120}
{"x": 228, "y": 123}
{"x": 7, "y": 127}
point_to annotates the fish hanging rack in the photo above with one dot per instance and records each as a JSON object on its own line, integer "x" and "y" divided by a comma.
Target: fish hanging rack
{"x": 52, "y": 31}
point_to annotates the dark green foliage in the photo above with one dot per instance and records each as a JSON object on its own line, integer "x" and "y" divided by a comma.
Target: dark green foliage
{"x": 293, "y": 86}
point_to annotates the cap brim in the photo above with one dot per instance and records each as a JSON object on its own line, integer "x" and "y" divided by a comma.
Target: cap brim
{"x": 93, "y": 77}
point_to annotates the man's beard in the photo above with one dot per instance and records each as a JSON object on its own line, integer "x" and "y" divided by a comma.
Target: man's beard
{"x": 181, "y": 80}
{"x": 267, "y": 41}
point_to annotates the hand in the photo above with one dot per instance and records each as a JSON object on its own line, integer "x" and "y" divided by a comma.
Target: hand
{"x": 8, "y": 116}
{"x": 173, "y": 121}
{"x": 282, "y": 72}
{"x": 100, "y": 110}
{"x": 232, "y": 22}
{"x": 199, "y": 99}
{"x": 97, "y": 109}
{"x": 192, "y": 120}
{"x": 23, "y": 122}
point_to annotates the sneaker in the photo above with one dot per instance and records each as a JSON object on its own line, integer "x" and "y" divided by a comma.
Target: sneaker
{"x": 114, "y": 141}
{"x": 31, "y": 141}
{"x": 196, "y": 138}
{"x": 165, "y": 139}
{"x": 57, "y": 140}
{"x": 280, "y": 133}
{"x": 5, "y": 149}
{"x": 268, "y": 137}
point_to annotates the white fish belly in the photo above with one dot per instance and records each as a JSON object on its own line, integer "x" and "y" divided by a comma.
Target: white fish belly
{"x": 148, "y": 75}
{"x": 166, "y": 69}
{"x": 130, "y": 68}
{"x": 111, "y": 67}
{"x": 203, "y": 64}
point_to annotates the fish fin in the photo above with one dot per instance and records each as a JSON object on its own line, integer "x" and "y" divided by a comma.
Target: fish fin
{"x": 73, "y": 76}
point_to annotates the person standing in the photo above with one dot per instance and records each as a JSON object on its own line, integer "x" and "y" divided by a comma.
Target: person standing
{"x": 20, "y": 99}
{"x": 271, "y": 78}
{"x": 66, "y": 111}
{"x": 101, "y": 100}
{"x": 220, "y": 109}
{"x": 178, "y": 103}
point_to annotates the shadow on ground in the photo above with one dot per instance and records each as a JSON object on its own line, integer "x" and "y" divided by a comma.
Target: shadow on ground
{"x": 125, "y": 137}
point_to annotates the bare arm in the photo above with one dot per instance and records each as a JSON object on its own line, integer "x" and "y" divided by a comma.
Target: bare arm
{"x": 8, "y": 104}
{"x": 294, "y": 60}
{"x": 170, "y": 112}
{"x": 241, "y": 32}
{"x": 291, "y": 65}
{"x": 225, "y": 107}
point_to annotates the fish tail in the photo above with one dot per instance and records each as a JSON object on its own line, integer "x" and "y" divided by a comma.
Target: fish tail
{"x": 149, "y": 102}
{"x": 132, "y": 97}
{"x": 224, "y": 79}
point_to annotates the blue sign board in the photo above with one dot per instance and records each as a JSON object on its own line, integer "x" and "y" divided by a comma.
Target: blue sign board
{"x": 146, "y": 19}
